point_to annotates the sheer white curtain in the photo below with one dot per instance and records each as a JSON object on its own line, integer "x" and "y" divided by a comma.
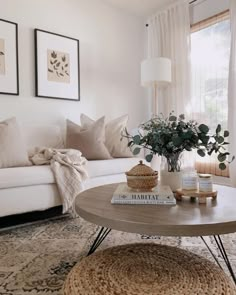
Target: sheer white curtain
{"x": 232, "y": 92}
{"x": 169, "y": 36}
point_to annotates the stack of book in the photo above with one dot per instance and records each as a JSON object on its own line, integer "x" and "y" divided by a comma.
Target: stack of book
{"x": 160, "y": 195}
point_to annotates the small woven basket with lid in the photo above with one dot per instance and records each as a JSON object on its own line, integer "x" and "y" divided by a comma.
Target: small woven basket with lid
{"x": 141, "y": 177}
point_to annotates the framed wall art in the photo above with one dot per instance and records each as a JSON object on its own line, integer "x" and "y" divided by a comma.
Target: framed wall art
{"x": 56, "y": 66}
{"x": 9, "y": 68}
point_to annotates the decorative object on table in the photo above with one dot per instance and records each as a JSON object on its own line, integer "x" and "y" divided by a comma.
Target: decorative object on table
{"x": 189, "y": 180}
{"x": 142, "y": 177}
{"x": 205, "y": 182}
{"x": 155, "y": 72}
{"x": 160, "y": 195}
{"x": 9, "y": 72}
{"x": 171, "y": 178}
{"x": 201, "y": 196}
{"x": 170, "y": 137}
{"x": 57, "y": 66}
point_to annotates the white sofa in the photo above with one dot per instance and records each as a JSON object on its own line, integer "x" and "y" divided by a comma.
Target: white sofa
{"x": 33, "y": 188}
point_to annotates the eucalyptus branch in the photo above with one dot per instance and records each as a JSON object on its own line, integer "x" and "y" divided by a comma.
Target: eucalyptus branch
{"x": 170, "y": 136}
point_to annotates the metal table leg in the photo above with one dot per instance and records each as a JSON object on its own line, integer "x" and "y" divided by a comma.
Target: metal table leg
{"x": 223, "y": 253}
{"x": 99, "y": 239}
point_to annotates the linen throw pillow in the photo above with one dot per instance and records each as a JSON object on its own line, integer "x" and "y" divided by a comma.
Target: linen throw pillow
{"x": 89, "y": 141}
{"x": 116, "y": 145}
{"x": 13, "y": 151}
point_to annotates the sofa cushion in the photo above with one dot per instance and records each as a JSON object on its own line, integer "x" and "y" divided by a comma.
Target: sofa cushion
{"x": 25, "y": 176}
{"x": 116, "y": 145}
{"x": 37, "y": 175}
{"x": 90, "y": 141}
{"x": 13, "y": 151}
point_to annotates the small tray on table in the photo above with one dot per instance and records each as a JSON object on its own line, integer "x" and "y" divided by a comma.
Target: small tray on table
{"x": 193, "y": 194}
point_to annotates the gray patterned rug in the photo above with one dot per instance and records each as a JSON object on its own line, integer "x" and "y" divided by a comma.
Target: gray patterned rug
{"x": 35, "y": 259}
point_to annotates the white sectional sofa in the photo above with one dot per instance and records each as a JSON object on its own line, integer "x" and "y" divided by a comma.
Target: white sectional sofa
{"x": 33, "y": 188}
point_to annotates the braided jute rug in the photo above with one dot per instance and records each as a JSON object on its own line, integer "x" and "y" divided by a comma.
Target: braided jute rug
{"x": 138, "y": 269}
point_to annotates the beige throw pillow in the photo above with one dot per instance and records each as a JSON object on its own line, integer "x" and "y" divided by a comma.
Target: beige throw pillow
{"x": 115, "y": 143}
{"x": 13, "y": 151}
{"x": 89, "y": 141}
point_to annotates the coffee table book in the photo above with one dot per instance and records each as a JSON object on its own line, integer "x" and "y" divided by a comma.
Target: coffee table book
{"x": 160, "y": 195}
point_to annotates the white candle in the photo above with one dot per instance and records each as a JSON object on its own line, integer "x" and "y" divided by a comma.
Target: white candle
{"x": 189, "y": 181}
{"x": 205, "y": 183}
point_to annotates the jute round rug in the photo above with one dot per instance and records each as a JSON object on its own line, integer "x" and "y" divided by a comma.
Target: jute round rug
{"x": 138, "y": 269}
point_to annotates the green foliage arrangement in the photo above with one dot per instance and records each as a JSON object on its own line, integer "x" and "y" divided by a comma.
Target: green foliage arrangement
{"x": 170, "y": 136}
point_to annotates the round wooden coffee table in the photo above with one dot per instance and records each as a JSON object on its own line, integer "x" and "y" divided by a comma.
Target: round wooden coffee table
{"x": 184, "y": 219}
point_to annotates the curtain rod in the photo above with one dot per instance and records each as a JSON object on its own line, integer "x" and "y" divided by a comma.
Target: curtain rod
{"x": 189, "y": 3}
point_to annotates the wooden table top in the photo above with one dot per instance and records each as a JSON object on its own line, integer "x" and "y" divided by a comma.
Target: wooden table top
{"x": 185, "y": 219}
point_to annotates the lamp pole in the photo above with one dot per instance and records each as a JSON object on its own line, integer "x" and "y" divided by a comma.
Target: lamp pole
{"x": 155, "y": 112}
{"x": 155, "y": 72}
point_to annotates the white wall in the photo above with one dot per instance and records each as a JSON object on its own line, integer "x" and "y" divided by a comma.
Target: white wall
{"x": 203, "y": 9}
{"x": 111, "y": 48}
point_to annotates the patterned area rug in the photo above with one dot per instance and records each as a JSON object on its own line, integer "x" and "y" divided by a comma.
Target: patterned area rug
{"x": 35, "y": 259}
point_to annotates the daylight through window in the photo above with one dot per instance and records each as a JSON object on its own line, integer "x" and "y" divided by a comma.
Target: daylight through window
{"x": 210, "y": 52}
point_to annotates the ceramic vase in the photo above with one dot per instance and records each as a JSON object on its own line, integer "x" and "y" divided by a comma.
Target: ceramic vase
{"x": 171, "y": 178}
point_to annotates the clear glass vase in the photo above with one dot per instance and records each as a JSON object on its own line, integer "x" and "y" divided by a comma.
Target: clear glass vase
{"x": 172, "y": 163}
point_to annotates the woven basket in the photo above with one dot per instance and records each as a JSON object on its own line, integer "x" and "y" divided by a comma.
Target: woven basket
{"x": 142, "y": 182}
{"x": 142, "y": 177}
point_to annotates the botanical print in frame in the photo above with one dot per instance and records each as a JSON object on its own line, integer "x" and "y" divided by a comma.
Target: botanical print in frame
{"x": 57, "y": 66}
{"x": 9, "y": 73}
{"x": 2, "y": 57}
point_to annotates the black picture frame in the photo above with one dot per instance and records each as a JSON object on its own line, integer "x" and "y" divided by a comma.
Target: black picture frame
{"x": 57, "y": 67}
{"x": 9, "y": 58}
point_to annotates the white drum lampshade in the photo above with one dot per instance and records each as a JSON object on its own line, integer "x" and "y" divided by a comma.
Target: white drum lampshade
{"x": 155, "y": 71}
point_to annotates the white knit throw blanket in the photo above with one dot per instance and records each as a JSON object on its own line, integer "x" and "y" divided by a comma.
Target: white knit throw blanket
{"x": 69, "y": 169}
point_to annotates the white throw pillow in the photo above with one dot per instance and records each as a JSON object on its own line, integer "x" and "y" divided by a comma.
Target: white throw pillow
{"x": 13, "y": 151}
{"x": 115, "y": 143}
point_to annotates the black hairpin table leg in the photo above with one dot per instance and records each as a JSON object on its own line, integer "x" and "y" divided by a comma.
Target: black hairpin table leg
{"x": 99, "y": 239}
{"x": 223, "y": 253}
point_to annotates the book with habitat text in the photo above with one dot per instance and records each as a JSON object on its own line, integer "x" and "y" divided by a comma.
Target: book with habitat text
{"x": 161, "y": 194}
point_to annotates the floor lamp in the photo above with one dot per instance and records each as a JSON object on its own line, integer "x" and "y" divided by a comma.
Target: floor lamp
{"x": 155, "y": 72}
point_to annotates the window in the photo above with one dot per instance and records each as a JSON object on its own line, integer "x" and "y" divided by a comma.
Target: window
{"x": 210, "y": 53}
